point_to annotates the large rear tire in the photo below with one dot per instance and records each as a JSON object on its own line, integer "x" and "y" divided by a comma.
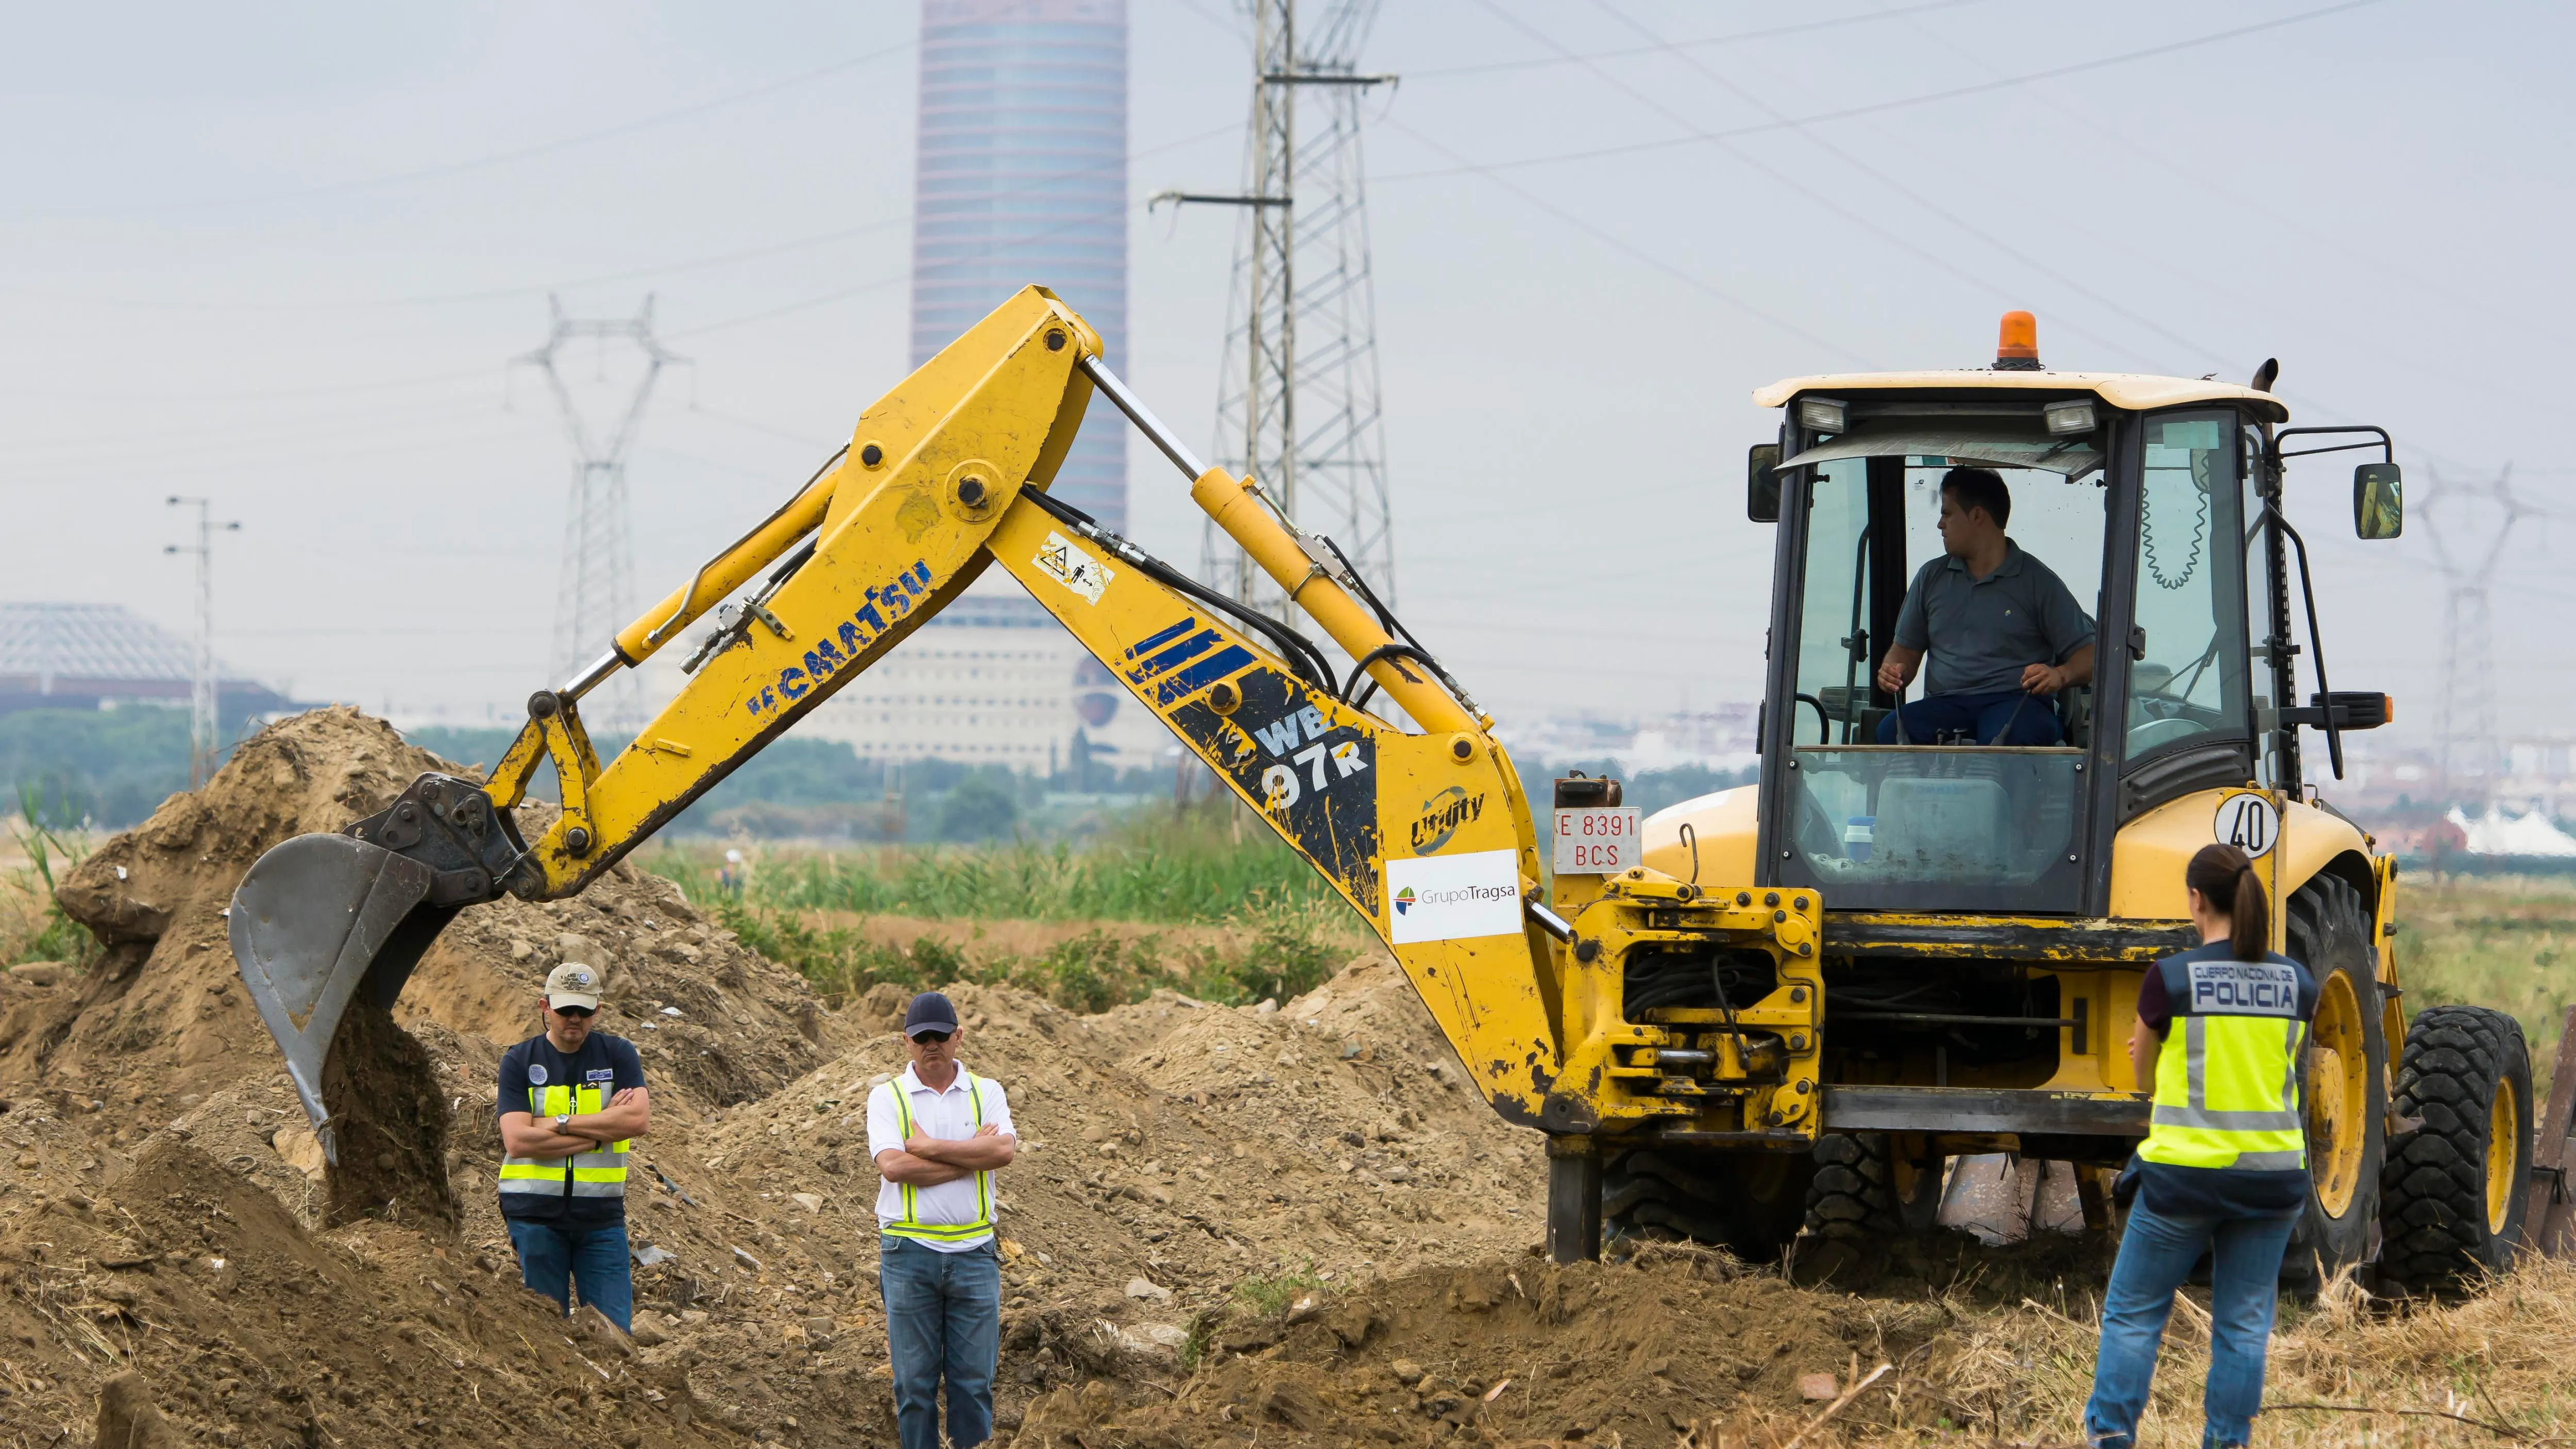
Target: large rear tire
{"x": 2343, "y": 1079}
{"x": 1869, "y": 1188}
{"x": 2454, "y": 1191}
{"x": 1749, "y": 1203}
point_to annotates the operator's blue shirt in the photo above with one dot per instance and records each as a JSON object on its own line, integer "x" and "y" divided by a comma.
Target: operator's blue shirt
{"x": 607, "y": 1062}
{"x": 1981, "y": 633}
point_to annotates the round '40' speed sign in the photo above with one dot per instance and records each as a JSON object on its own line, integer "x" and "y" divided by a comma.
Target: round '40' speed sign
{"x": 2249, "y": 821}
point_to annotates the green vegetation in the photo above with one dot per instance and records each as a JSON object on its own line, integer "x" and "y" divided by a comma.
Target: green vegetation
{"x": 102, "y": 767}
{"x": 1275, "y": 949}
{"x": 32, "y": 924}
{"x": 1156, "y": 865}
{"x": 2503, "y": 941}
{"x": 1270, "y": 1295}
{"x": 1283, "y": 930}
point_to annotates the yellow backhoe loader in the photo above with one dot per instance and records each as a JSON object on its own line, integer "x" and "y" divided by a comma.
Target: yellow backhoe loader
{"x": 1776, "y": 1009}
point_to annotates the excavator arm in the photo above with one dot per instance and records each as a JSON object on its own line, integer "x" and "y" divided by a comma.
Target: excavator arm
{"x": 1426, "y": 833}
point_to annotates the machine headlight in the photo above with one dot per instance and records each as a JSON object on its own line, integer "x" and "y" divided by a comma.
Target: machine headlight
{"x": 2069, "y": 418}
{"x": 1823, "y": 415}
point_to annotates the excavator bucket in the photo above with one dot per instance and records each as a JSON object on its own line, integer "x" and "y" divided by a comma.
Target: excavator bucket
{"x": 317, "y": 920}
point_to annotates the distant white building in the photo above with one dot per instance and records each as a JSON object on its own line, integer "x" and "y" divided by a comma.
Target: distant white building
{"x": 991, "y": 680}
{"x": 1712, "y": 739}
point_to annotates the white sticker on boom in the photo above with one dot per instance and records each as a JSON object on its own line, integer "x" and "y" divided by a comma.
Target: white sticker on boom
{"x": 2244, "y": 988}
{"x": 1453, "y": 897}
{"x": 2249, "y": 821}
{"x": 1067, "y": 564}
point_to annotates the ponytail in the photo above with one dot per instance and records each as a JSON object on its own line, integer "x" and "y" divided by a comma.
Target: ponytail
{"x": 2226, "y": 879}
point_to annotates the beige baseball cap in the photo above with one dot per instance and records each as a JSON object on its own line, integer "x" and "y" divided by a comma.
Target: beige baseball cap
{"x": 573, "y": 984}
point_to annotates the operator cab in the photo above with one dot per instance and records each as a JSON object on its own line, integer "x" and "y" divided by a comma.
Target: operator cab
{"x": 2145, "y": 497}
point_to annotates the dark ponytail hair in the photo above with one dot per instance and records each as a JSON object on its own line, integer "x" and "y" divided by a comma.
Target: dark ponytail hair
{"x": 2226, "y": 879}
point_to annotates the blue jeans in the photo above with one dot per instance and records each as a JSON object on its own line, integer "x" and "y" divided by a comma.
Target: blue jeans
{"x": 2156, "y": 1254}
{"x": 943, "y": 1317}
{"x": 1986, "y": 716}
{"x": 590, "y": 1257}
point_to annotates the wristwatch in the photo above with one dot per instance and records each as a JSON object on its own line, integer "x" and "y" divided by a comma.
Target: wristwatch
{"x": 562, "y": 1120}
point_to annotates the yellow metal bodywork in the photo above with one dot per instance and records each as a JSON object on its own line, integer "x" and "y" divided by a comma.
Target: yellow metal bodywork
{"x": 1427, "y": 833}
{"x": 955, "y": 449}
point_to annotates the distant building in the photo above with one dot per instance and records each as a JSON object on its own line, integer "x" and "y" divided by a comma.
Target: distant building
{"x": 101, "y": 656}
{"x": 1021, "y": 177}
{"x": 991, "y": 680}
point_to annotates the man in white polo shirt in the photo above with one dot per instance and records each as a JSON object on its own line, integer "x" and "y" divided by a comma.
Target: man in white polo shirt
{"x": 938, "y": 1132}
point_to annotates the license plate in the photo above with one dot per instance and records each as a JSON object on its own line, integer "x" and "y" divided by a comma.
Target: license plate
{"x": 1598, "y": 839}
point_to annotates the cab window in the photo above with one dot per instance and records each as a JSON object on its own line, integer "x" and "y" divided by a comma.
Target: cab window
{"x": 2187, "y": 683}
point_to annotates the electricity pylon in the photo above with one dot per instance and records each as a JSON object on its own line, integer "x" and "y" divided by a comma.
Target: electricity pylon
{"x": 2469, "y": 741}
{"x": 203, "y": 741}
{"x": 1299, "y": 407}
{"x": 595, "y": 593}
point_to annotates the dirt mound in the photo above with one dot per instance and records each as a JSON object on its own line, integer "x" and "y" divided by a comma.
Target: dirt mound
{"x": 244, "y": 1328}
{"x": 1511, "y": 1349}
{"x": 164, "y": 1016}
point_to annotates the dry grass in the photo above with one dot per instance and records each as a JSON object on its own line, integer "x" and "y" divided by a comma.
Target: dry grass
{"x": 2499, "y": 1368}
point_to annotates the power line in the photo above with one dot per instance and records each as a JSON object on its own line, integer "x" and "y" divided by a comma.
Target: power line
{"x": 1661, "y": 47}
{"x": 1879, "y": 107}
{"x": 473, "y": 163}
{"x": 1632, "y": 250}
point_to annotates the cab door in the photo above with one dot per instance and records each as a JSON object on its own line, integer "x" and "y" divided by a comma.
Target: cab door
{"x": 2186, "y": 717}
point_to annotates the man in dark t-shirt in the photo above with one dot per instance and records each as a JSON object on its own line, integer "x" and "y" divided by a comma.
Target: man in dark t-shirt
{"x": 570, "y": 1100}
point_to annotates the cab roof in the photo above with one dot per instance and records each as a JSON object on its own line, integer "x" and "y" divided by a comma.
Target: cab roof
{"x": 2131, "y": 390}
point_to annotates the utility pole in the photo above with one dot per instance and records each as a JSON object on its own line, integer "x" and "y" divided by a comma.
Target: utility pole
{"x": 595, "y": 592}
{"x": 2469, "y": 738}
{"x": 1299, "y": 407}
{"x": 202, "y": 742}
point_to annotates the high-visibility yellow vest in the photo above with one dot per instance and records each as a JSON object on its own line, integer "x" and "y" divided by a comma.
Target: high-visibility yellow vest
{"x": 2227, "y": 1079}
{"x": 910, "y": 1225}
{"x": 593, "y": 1175}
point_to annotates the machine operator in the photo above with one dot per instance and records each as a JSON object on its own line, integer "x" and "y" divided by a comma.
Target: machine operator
{"x": 2004, "y": 634}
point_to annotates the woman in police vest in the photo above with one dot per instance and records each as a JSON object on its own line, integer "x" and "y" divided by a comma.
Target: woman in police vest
{"x": 2224, "y": 1167}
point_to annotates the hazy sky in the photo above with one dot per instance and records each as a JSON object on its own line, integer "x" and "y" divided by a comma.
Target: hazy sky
{"x": 281, "y": 255}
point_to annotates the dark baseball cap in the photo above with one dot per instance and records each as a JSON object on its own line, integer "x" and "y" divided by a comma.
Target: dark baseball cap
{"x": 929, "y": 1011}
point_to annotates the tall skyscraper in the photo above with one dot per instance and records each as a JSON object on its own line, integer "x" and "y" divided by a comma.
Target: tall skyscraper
{"x": 1022, "y": 178}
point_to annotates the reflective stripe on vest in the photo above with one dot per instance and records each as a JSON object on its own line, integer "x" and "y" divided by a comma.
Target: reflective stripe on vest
{"x": 597, "y": 1174}
{"x": 2227, "y": 1094}
{"x": 910, "y": 1225}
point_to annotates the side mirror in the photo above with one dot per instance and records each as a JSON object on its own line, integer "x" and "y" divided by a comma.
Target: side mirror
{"x": 1762, "y": 483}
{"x": 2378, "y": 501}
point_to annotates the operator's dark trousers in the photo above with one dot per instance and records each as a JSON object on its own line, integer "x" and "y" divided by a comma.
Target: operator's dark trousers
{"x": 943, "y": 1319}
{"x": 1989, "y": 717}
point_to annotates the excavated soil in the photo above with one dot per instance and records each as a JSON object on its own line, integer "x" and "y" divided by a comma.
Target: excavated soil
{"x": 1172, "y": 1151}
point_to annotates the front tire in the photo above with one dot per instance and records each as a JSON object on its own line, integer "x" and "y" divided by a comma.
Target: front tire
{"x": 2453, "y": 1195}
{"x": 1749, "y": 1203}
{"x": 2343, "y": 1078}
{"x": 1869, "y": 1188}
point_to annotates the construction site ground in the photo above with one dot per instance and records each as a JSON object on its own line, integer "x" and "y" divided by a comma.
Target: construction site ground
{"x": 1287, "y": 1223}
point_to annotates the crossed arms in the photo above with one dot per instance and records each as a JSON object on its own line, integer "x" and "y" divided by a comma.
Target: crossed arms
{"x": 929, "y": 1161}
{"x": 629, "y": 1113}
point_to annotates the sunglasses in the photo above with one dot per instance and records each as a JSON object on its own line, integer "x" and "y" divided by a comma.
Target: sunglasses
{"x": 577, "y": 1013}
{"x": 931, "y": 1038}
